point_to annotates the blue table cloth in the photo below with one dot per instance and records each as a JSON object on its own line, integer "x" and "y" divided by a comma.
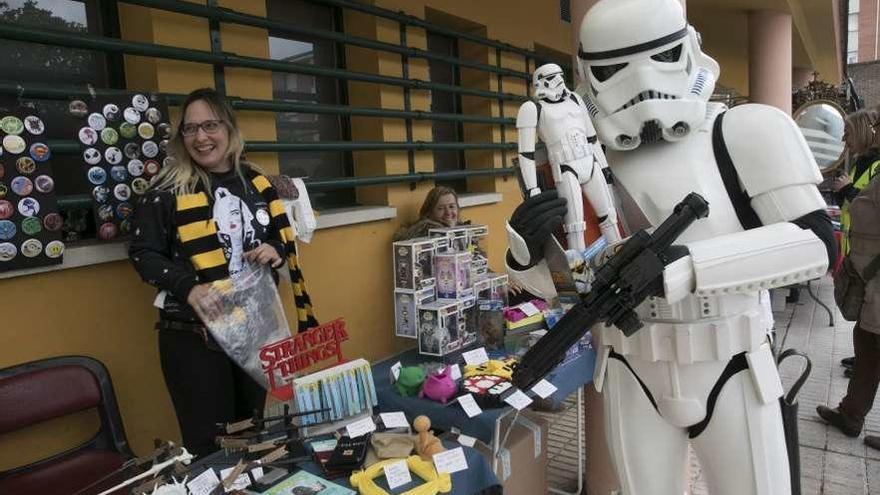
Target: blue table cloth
{"x": 567, "y": 378}
{"x": 478, "y": 477}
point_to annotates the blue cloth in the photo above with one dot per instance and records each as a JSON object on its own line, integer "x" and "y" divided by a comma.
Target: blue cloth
{"x": 567, "y": 378}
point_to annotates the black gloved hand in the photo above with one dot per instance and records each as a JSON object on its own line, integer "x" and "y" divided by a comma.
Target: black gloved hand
{"x": 536, "y": 219}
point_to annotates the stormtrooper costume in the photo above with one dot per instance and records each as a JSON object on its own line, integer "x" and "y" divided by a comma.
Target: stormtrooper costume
{"x": 700, "y": 370}
{"x": 559, "y": 118}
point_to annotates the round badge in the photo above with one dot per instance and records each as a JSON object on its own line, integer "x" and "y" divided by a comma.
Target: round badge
{"x": 54, "y": 249}
{"x": 101, "y": 194}
{"x": 146, "y": 130}
{"x": 131, "y": 150}
{"x": 127, "y": 130}
{"x": 26, "y": 165}
{"x": 31, "y": 248}
{"x": 6, "y": 209}
{"x": 105, "y": 213}
{"x": 139, "y": 185}
{"x": 164, "y": 130}
{"x": 107, "y": 231}
{"x": 22, "y": 186}
{"x": 131, "y": 115}
{"x": 140, "y": 102}
{"x": 150, "y": 149}
{"x": 7, "y": 251}
{"x": 7, "y": 230}
{"x": 109, "y": 136}
{"x": 118, "y": 173}
{"x": 123, "y": 210}
{"x": 44, "y": 184}
{"x": 92, "y": 156}
{"x": 135, "y": 167}
{"x": 154, "y": 115}
{"x": 11, "y": 124}
{"x": 40, "y": 152}
{"x": 122, "y": 192}
{"x": 88, "y": 136}
{"x": 31, "y": 226}
{"x": 97, "y": 175}
{"x": 113, "y": 155}
{"x": 263, "y": 217}
{"x": 34, "y": 125}
{"x": 53, "y": 222}
{"x": 28, "y": 207}
{"x": 78, "y": 108}
{"x": 13, "y": 144}
{"x": 151, "y": 167}
{"x": 125, "y": 227}
{"x": 111, "y": 112}
{"x": 3, "y": 190}
{"x": 97, "y": 121}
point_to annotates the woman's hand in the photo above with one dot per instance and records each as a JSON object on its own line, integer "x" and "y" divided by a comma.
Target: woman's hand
{"x": 204, "y": 300}
{"x": 840, "y": 182}
{"x": 264, "y": 254}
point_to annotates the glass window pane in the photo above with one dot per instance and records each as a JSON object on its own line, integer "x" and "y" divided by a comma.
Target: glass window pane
{"x": 853, "y": 22}
{"x": 853, "y": 6}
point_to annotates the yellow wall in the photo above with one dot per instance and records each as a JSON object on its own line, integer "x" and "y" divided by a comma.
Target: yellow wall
{"x": 105, "y": 311}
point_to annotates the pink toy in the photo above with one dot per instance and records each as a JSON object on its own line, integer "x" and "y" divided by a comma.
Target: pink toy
{"x": 439, "y": 386}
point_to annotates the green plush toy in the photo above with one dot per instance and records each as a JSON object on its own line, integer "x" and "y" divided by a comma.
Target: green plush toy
{"x": 410, "y": 380}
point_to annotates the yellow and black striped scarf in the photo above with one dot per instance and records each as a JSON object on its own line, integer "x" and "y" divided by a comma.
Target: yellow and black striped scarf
{"x": 198, "y": 236}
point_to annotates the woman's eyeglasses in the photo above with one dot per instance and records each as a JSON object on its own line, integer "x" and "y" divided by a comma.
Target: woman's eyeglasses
{"x": 209, "y": 126}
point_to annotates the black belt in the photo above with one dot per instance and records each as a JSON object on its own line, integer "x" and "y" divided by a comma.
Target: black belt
{"x": 200, "y": 330}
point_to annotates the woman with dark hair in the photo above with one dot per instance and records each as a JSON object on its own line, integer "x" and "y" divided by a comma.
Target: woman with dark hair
{"x": 440, "y": 209}
{"x": 207, "y": 213}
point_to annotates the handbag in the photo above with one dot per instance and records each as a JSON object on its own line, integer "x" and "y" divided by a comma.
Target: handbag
{"x": 849, "y": 287}
{"x": 789, "y": 407}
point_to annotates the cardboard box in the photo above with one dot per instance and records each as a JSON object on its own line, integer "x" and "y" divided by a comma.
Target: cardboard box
{"x": 414, "y": 263}
{"x": 522, "y": 461}
{"x": 453, "y": 274}
{"x": 438, "y": 328}
{"x": 406, "y": 305}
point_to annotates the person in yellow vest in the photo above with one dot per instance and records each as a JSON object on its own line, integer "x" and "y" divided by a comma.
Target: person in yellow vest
{"x": 207, "y": 213}
{"x": 863, "y": 144}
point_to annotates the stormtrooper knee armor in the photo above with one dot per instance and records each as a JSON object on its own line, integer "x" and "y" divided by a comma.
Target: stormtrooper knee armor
{"x": 700, "y": 370}
{"x": 559, "y": 118}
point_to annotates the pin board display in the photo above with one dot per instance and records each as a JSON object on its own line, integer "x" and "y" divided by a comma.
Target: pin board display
{"x": 124, "y": 140}
{"x": 30, "y": 225}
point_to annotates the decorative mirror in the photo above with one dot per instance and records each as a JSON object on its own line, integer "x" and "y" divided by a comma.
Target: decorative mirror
{"x": 822, "y": 124}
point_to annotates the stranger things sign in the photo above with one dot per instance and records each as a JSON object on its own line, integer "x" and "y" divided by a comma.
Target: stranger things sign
{"x": 283, "y": 359}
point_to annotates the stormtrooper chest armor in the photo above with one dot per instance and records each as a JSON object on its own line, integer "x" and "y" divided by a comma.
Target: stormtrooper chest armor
{"x": 564, "y": 129}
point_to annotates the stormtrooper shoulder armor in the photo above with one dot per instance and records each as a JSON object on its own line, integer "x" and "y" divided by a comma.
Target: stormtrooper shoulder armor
{"x": 527, "y": 115}
{"x": 767, "y": 149}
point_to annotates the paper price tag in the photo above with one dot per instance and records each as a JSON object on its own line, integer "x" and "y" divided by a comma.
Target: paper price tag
{"x": 529, "y": 309}
{"x": 397, "y": 474}
{"x": 324, "y": 445}
{"x": 544, "y": 389}
{"x": 470, "y": 406}
{"x": 467, "y": 441}
{"x": 240, "y": 483}
{"x": 450, "y": 461}
{"x": 394, "y": 420}
{"x": 518, "y": 400}
{"x": 395, "y": 370}
{"x": 360, "y": 427}
{"x": 454, "y": 371}
{"x": 204, "y": 483}
{"x": 475, "y": 357}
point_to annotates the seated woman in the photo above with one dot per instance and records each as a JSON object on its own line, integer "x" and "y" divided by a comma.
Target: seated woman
{"x": 440, "y": 209}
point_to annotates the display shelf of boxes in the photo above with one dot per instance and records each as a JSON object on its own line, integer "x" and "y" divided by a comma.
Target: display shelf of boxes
{"x": 440, "y": 284}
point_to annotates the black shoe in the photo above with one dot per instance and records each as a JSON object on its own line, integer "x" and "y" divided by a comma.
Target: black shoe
{"x": 848, "y": 362}
{"x": 872, "y": 441}
{"x": 837, "y": 419}
{"x": 847, "y": 372}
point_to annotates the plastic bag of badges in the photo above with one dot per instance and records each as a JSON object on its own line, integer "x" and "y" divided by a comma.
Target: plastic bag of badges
{"x": 252, "y": 316}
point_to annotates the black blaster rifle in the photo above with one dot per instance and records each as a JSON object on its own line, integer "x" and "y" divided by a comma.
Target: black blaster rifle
{"x": 628, "y": 277}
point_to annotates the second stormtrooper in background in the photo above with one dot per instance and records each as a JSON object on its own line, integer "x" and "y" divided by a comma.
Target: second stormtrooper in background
{"x": 559, "y": 118}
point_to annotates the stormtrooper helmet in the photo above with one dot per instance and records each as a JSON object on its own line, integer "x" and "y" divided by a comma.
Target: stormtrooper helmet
{"x": 549, "y": 82}
{"x": 645, "y": 77}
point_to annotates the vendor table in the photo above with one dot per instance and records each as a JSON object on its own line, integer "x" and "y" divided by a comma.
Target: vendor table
{"x": 476, "y": 479}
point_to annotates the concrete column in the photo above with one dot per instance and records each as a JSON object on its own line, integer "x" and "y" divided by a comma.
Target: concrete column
{"x": 770, "y": 71}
